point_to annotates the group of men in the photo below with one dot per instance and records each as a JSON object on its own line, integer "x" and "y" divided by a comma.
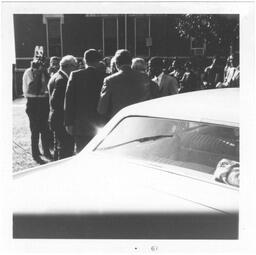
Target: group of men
{"x": 76, "y": 102}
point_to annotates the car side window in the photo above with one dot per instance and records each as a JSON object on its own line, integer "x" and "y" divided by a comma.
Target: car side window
{"x": 193, "y": 145}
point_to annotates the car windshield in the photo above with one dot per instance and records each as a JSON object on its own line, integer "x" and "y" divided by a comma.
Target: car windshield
{"x": 194, "y": 145}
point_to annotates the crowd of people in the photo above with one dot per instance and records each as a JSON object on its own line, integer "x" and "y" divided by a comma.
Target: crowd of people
{"x": 68, "y": 101}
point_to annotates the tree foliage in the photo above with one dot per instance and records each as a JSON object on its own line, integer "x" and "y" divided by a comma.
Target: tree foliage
{"x": 215, "y": 28}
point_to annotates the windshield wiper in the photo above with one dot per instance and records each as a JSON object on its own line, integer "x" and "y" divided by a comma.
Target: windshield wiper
{"x": 140, "y": 140}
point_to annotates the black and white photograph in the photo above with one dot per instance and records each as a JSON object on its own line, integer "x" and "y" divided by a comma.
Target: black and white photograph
{"x": 125, "y": 125}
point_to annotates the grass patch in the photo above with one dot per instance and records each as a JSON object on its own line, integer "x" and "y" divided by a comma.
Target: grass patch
{"x": 22, "y": 158}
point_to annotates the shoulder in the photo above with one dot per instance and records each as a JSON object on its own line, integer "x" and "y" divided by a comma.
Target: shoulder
{"x": 208, "y": 68}
{"x": 169, "y": 77}
{"x": 52, "y": 80}
{"x": 28, "y": 71}
{"x": 78, "y": 73}
{"x": 113, "y": 77}
{"x": 59, "y": 79}
{"x": 143, "y": 77}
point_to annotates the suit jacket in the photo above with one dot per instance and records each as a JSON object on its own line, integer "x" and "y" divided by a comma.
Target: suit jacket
{"x": 121, "y": 89}
{"x": 57, "y": 85}
{"x": 168, "y": 86}
{"x": 82, "y": 95}
{"x": 188, "y": 82}
{"x": 51, "y": 83}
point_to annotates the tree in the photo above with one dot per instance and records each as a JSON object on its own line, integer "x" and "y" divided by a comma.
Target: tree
{"x": 218, "y": 30}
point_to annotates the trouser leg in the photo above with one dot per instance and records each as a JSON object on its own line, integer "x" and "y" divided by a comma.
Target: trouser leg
{"x": 34, "y": 143}
{"x": 55, "y": 147}
{"x": 43, "y": 122}
{"x": 45, "y": 142}
{"x": 32, "y": 112}
{"x": 65, "y": 143}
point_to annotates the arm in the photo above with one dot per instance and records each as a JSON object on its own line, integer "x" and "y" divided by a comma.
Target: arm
{"x": 69, "y": 102}
{"x": 25, "y": 83}
{"x": 104, "y": 105}
{"x": 58, "y": 95}
{"x": 29, "y": 83}
{"x": 173, "y": 87}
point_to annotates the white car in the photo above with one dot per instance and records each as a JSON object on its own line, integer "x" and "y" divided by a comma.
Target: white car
{"x": 167, "y": 168}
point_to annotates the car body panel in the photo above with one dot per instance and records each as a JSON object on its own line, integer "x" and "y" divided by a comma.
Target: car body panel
{"x": 217, "y": 106}
{"x": 96, "y": 195}
{"x": 115, "y": 185}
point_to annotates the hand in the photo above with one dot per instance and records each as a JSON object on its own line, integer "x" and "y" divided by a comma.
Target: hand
{"x": 70, "y": 130}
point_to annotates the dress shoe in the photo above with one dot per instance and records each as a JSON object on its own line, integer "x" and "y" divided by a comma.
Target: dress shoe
{"x": 39, "y": 160}
{"x": 48, "y": 155}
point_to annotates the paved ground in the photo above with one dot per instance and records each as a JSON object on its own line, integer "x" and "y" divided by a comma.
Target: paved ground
{"x": 22, "y": 158}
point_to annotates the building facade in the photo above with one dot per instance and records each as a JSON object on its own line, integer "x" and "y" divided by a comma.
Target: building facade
{"x": 62, "y": 34}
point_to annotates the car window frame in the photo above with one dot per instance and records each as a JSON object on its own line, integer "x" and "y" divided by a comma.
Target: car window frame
{"x": 165, "y": 167}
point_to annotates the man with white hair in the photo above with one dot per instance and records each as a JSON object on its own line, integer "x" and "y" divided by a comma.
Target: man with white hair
{"x": 139, "y": 64}
{"x": 63, "y": 142}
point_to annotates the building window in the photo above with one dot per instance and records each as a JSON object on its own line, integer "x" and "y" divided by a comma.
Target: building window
{"x": 54, "y": 37}
{"x": 54, "y": 34}
{"x": 197, "y": 46}
{"x": 126, "y": 31}
{"x": 110, "y": 26}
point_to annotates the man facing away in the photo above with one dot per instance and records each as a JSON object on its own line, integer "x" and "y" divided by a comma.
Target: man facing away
{"x": 80, "y": 106}
{"x": 167, "y": 84}
{"x": 63, "y": 142}
{"x": 139, "y": 65}
{"x": 123, "y": 88}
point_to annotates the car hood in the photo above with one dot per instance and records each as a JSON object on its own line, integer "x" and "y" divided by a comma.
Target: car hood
{"x": 91, "y": 183}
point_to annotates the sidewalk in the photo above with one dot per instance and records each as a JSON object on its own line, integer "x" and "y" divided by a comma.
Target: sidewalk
{"x": 21, "y": 101}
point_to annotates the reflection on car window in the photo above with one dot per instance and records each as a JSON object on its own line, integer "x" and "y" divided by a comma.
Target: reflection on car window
{"x": 192, "y": 145}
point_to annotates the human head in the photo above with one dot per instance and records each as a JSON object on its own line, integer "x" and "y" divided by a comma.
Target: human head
{"x": 92, "y": 57}
{"x": 102, "y": 66}
{"x": 139, "y": 65}
{"x": 155, "y": 66}
{"x": 37, "y": 66}
{"x": 54, "y": 61}
{"x": 107, "y": 60}
{"x": 188, "y": 66}
{"x": 54, "y": 65}
{"x": 80, "y": 64}
{"x": 122, "y": 58}
{"x": 113, "y": 65}
{"x": 176, "y": 64}
{"x": 235, "y": 60}
{"x": 68, "y": 64}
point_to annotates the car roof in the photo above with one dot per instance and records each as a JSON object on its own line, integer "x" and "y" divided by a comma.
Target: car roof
{"x": 219, "y": 106}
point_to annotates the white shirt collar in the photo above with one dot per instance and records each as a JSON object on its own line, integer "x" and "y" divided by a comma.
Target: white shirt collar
{"x": 64, "y": 73}
{"x": 158, "y": 78}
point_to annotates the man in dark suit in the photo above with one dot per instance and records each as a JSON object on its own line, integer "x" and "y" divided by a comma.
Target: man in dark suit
{"x": 123, "y": 88}
{"x": 63, "y": 142}
{"x": 167, "y": 84}
{"x": 82, "y": 95}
